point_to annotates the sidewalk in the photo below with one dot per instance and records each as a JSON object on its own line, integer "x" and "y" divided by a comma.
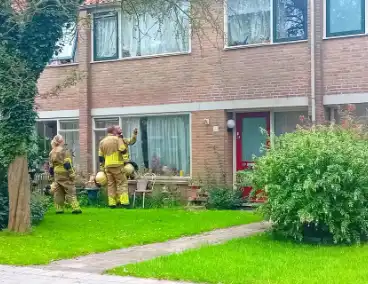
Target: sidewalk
{"x": 27, "y": 275}
{"x": 98, "y": 263}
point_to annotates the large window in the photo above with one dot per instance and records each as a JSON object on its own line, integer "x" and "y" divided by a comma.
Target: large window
{"x": 249, "y": 21}
{"x": 100, "y": 128}
{"x": 69, "y": 129}
{"x": 66, "y": 46}
{"x": 141, "y": 34}
{"x": 163, "y": 144}
{"x": 345, "y": 17}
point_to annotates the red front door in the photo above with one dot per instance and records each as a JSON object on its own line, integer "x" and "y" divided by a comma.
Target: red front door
{"x": 249, "y": 140}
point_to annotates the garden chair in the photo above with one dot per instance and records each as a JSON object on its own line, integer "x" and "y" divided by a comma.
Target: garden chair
{"x": 144, "y": 185}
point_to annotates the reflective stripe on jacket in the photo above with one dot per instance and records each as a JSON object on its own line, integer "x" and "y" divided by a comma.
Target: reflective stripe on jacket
{"x": 111, "y": 149}
{"x": 59, "y": 158}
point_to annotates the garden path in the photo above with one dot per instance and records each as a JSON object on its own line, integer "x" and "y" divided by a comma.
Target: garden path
{"x": 98, "y": 263}
{"x": 29, "y": 275}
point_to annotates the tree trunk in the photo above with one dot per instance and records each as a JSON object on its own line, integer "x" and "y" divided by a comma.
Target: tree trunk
{"x": 19, "y": 196}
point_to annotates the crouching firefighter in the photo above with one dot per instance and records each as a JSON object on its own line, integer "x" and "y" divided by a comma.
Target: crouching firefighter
{"x": 63, "y": 174}
{"x": 111, "y": 160}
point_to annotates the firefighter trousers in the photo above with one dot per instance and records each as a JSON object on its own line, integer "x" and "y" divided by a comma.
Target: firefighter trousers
{"x": 64, "y": 189}
{"x": 117, "y": 186}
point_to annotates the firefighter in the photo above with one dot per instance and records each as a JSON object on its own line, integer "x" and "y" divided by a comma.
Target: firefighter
{"x": 63, "y": 174}
{"x": 129, "y": 166}
{"x": 128, "y": 142}
{"x": 111, "y": 161}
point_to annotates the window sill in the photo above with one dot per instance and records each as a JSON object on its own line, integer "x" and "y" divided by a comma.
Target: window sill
{"x": 264, "y": 44}
{"x": 62, "y": 65}
{"x": 142, "y": 57}
{"x": 344, "y": 36}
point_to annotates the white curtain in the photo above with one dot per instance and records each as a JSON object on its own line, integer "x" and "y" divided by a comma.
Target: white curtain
{"x": 136, "y": 150}
{"x": 147, "y": 35}
{"x": 168, "y": 143}
{"x": 105, "y": 37}
{"x": 71, "y": 138}
{"x": 248, "y": 22}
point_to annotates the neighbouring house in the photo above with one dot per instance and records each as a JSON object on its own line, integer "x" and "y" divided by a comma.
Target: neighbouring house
{"x": 276, "y": 61}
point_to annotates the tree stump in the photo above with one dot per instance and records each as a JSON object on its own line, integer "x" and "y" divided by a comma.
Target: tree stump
{"x": 19, "y": 196}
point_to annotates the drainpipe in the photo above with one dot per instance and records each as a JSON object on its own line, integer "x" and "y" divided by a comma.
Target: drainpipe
{"x": 313, "y": 61}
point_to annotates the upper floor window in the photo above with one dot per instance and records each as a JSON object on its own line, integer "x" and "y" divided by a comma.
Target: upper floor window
{"x": 266, "y": 21}
{"x": 141, "y": 34}
{"x": 105, "y": 36}
{"x": 345, "y": 17}
{"x": 66, "y": 46}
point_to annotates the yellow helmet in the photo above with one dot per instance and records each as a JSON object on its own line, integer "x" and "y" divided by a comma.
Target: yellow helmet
{"x": 129, "y": 169}
{"x": 101, "y": 179}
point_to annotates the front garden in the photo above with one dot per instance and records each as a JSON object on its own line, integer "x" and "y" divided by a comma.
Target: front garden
{"x": 315, "y": 184}
{"x": 102, "y": 229}
{"x": 259, "y": 259}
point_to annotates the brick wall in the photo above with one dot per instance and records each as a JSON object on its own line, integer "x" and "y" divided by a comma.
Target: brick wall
{"x": 52, "y": 77}
{"x": 211, "y": 150}
{"x": 209, "y": 73}
{"x": 213, "y": 75}
{"x": 345, "y": 65}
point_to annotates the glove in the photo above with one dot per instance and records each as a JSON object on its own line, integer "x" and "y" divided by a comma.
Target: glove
{"x": 72, "y": 176}
{"x": 135, "y": 131}
{"x": 52, "y": 189}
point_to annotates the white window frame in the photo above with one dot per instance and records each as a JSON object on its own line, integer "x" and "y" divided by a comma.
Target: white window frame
{"x": 119, "y": 12}
{"x": 56, "y": 58}
{"x": 346, "y": 35}
{"x": 272, "y": 42}
{"x": 122, "y": 116}
{"x": 58, "y": 121}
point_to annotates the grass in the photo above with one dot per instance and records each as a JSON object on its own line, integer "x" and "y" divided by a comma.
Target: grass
{"x": 259, "y": 260}
{"x": 99, "y": 230}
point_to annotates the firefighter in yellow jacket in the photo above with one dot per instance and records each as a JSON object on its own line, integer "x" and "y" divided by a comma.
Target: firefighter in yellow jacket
{"x": 63, "y": 174}
{"x": 111, "y": 160}
{"x": 126, "y": 157}
{"x": 127, "y": 141}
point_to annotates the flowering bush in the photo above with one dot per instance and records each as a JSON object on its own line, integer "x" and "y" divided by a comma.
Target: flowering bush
{"x": 316, "y": 181}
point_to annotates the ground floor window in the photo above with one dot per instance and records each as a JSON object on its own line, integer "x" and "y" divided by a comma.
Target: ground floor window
{"x": 100, "y": 127}
{"x": 285, "y": 122}
{"x": 359, "y": 111}
{"x": 163, "y": 143}
{"x": 69, "y": 129}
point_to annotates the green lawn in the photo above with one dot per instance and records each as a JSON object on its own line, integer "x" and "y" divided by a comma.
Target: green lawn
{"x": 99, "y": 230}
{"x": 259, "y": 260}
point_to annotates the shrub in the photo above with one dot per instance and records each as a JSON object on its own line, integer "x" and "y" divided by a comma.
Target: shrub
{"x": 316, "y": 183}
{"x": 223, "y": 198}
{"x": 39, "y": 206}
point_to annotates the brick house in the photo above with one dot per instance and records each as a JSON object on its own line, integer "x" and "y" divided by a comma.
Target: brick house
{"x": 277, "y": 60}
